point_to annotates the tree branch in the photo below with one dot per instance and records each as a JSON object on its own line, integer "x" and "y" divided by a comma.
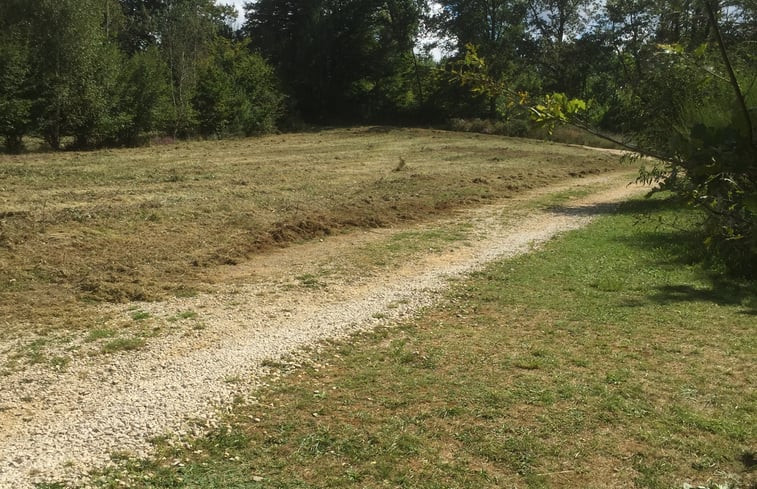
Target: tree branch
{"x": 624, "y": 145}
{"x": 731, "y": 73}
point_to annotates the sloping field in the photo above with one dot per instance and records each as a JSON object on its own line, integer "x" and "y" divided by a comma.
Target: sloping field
{"x": 78, "y": 229}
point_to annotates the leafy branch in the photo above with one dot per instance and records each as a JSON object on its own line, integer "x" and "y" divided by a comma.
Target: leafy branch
{"x": 709, "y": 159}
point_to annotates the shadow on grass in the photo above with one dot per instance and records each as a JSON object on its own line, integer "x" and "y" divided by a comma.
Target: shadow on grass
{"x": 674, "y": 240}
{"x": 684, "y": 248}
{"x": 639, "y": 207}
{"x": 677, "y": 242}
{"x": 720, "y": 292}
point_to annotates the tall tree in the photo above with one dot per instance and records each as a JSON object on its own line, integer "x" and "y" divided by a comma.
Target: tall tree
{"x": 339, "y": 60}
{"x": 15, "y": 96}
{"x": 140, "y": 24}
{"x": 186, "y": 30}
{"x": 74, "y": 69}
{"x": 498, "y": 28}
{"x": 647, "y": 95}
{"x": 561, "y": 31}
{"x": 558, "y": 21}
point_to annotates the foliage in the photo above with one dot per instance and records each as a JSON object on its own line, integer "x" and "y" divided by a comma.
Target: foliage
{"x": 691, "y": 116}
{"x": 74, "y": 71}
{"x": 498, "y": 29}
{"x": 15, "y": 104}
{"x": 710, "y": 156}
{"x": 237, "y": 92}
{"x": 145, "y": 95}
{"x": 337, "y": 60}
{"x": 683, "y": 88}
{"x": 474, "y": 71}
{"x": 94, "y": 73}
{"x": 58, "y": 70}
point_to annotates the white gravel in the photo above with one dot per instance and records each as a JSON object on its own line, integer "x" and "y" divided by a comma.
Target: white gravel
{"x": 58, "y": 425}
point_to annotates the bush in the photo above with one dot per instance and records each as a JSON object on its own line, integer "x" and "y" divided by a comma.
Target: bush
{"x": 237, "y": 93}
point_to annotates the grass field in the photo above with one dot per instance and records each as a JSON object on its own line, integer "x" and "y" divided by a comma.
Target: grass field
{"x": 610, "y": 358}
{"x": 78, "y": 229}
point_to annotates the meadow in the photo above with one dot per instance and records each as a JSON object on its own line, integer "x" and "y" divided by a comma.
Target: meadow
{"x": 78, "y": 229}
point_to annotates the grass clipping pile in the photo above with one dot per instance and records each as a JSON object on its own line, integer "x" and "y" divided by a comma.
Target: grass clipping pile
{"x": 151, "y": 223}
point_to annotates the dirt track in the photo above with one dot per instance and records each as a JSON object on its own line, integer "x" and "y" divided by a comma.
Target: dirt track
{"x": 59, "y": 424}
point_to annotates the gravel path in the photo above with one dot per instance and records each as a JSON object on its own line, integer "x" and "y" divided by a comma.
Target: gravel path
{"x": 59, "y": 424}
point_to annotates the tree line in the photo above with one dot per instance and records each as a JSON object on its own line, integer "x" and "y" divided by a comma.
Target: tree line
{"x": 109, "y": 72}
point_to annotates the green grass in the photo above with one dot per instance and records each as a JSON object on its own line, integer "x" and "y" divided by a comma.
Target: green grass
{"x": 310, "y": 281}
{"x": 51, "y": 351}
{"x": 187, "y": 315}
{"x": 140, "y": 315}
{"x": 183, "y": 315}
{"x": 610, "y": 358}
{"x": 99, "y": 334}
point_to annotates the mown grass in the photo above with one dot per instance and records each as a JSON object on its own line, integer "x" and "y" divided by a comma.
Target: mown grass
{"x": 78, "y": 229}
{"x": 610, "y": 358}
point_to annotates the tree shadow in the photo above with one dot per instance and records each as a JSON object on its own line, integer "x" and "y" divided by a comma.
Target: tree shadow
{"x": 684, "y": 247}
{"x": 675, "y": 243}
{"x": 639, "y": 207}
{"x": 721, "y": 292}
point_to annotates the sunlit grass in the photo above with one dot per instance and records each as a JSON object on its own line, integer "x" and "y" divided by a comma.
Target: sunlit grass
{"x": 610, "y": 358}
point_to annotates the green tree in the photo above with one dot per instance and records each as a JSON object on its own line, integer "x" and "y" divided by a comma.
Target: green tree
{"x": 709, "y": 153}
{"x": 559, "y": 21}
{"x": 684, "y": 95}
{"x": 699, "y": 127}
{"x": 15, "y": 99}
{"x": 140, "y": 24}
{"x": 237, "y": 92}
{"x": 259, "y": 103}
{"x": 74, "y": 70}
{"x": 498, "y": 29}
{"x": 568, "y": 55}
{"x": 340, "y": 60}
{"x": 145, "y": 96}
